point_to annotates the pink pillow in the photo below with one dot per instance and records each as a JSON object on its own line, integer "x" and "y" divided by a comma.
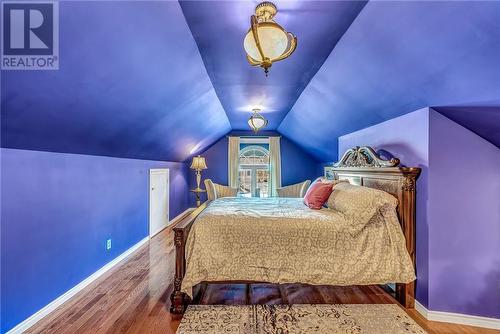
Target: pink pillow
{"x": 317, "y": 195}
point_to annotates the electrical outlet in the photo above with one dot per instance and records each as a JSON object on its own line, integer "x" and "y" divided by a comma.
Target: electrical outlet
{"x": 108, "y": 244}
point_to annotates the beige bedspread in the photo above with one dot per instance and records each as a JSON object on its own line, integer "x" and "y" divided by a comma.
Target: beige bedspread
{"x": 280, "y": 240}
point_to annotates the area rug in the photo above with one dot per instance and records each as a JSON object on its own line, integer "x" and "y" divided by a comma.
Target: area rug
{"x": 294, "y": 319}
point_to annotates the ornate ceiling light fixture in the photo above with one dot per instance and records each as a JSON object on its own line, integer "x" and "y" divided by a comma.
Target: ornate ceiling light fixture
{"x": 267, "y": 42}
{"x": 257, "y": 121}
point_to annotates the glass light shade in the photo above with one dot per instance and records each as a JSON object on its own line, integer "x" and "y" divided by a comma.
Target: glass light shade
{"x": 266, "y": 41}
{"x": 273, "y": 41}
{"x": 257, "y": 121}
{"x": 198, "y": 163}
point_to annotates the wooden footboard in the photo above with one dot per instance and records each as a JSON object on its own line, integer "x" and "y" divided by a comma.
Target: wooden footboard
{"x": 179, "y": 299}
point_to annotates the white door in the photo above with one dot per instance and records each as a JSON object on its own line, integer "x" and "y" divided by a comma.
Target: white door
{"x": 158, "y": 200}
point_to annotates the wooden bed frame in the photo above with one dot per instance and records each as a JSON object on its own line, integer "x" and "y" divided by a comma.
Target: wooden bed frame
{"x": 359, "y": 165}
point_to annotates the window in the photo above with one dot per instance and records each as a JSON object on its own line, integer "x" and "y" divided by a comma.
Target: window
{"x": 254, "y": 171}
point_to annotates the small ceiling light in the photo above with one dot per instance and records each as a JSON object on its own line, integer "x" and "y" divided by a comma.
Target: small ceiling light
{"x": 266, "y": 41}
{"x": 257, "y": 121}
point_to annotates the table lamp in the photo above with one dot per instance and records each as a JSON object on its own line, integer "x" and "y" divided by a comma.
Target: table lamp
{"x": 198, "y": 164}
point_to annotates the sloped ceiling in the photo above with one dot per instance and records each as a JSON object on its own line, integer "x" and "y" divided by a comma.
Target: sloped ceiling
{"x": 163, "y": 80}
{"x": 131, "y": 83}
{"x": 398, "y": 57}
{"x": 484, "y": 121}
{"x": 219, "y": 28}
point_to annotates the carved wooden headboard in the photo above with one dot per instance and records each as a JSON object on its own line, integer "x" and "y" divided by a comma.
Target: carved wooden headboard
{"x": 363, "y": 166}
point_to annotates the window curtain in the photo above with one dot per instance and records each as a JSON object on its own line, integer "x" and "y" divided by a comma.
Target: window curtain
{"x": 274, "y": 165}
{"x": 233, "y": 161}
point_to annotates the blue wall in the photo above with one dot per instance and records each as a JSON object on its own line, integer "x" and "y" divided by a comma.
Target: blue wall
{"x": 296, "y": 164}
{"x": 57, "y": 212}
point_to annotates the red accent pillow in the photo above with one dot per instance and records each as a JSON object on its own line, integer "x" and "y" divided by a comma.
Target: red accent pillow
{"x": 317, "y": 195}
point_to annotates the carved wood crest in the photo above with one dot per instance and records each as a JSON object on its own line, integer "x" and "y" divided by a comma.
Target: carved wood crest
{"x": 364, "y": 156}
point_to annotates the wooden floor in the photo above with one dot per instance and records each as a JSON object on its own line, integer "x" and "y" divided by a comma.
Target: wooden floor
{"x": 134, "y": 298}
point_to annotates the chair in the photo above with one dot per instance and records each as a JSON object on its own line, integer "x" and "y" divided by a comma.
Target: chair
{"x": 294, "y": 190}
{"x": 215, "y": 190}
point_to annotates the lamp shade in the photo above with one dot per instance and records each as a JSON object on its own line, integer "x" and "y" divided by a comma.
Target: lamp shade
{"x": 198, "y": 163}
{"x": 257, "y": 121}
{"x": 273, "y": 41}
{"x": 266, "y": 41}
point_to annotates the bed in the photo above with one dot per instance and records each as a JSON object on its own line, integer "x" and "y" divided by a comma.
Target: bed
{"x": 280, "y": 240}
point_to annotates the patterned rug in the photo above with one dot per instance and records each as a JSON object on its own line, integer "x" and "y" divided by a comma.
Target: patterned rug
{"x": 294, "y": 319}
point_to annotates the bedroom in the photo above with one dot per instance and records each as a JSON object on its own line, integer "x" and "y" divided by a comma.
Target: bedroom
{"x": 129, "y": 126}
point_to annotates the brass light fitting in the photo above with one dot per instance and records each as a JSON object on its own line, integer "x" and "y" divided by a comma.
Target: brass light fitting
{"x": 266, "y": 42}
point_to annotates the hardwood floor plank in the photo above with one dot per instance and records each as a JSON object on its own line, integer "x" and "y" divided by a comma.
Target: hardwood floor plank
{"x": 134, "y": 298}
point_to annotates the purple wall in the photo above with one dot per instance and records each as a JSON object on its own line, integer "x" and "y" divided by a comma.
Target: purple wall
{"x": 296, "y": 164}
{"x": 458, "y": 210}
{"x": 57, "y": 210}
{"x": 406, "y": 137}
{"x": 464, "y": 228}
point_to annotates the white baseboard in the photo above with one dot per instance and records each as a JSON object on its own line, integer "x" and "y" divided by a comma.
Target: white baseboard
{"x": 74, "y": 290}
{"x": 457, "y": 318}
